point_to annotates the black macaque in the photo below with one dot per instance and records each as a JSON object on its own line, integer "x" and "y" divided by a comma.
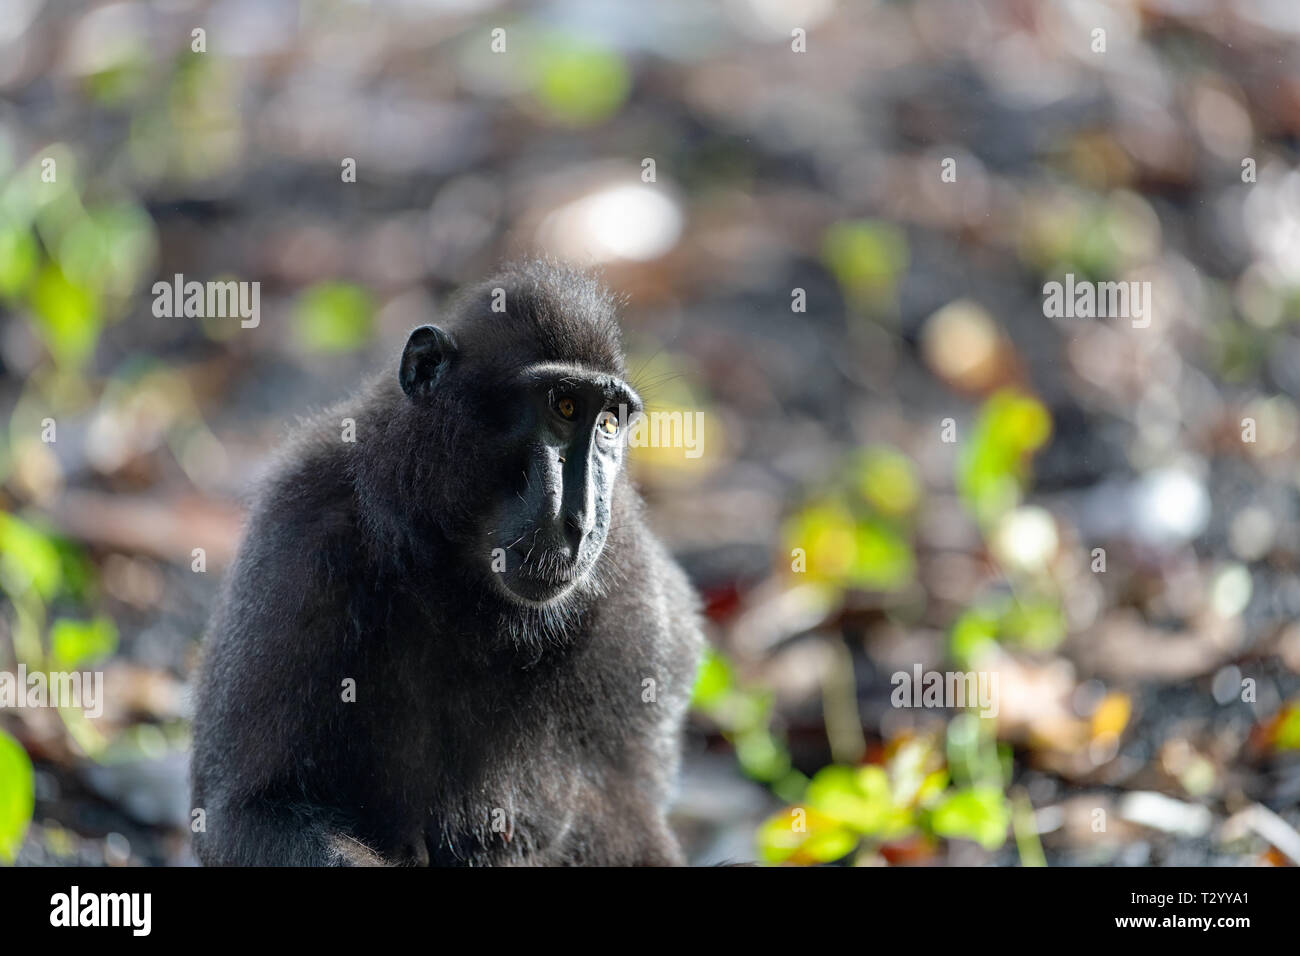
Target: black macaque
{"x": 453, "y": 640}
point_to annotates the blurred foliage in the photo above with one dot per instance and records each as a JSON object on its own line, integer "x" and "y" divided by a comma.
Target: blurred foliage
{"x": 1032, "y": 623}
{"x": 994, "y": 465}
{"x": 887, "y": 481}
{"x": 1287, "y": 735}
{"x": 993, "y": 474}
{"x": 867, "y": 258}
{"x": 193, "y": 131}
{"x": 334, "y": 317}
{"x": 29, "y": 560}
{"x": 19, "y": 258}
{"x": 72, "y": 265}
{"x": 744, "y": 714}
{"x": 37, "y": 570}
{"x": 849, "y": 550}
{"x": 579, "y": 83}
{"x": 913, "y": 793}
{"x": 858, "y": 534}
{"x": 67, "y": 315}
{"x": 77, "y": 644}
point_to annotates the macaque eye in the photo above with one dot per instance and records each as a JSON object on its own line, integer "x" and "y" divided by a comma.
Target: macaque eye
{"x": 566, "y": 407}
{"x": 608, "y": 423}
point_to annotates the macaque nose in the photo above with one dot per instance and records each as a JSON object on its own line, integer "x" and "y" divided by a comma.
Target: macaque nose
{"x": 576, "y": 529}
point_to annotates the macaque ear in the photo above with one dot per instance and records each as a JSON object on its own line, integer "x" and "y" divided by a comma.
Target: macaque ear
{"x": 427, "y": 355}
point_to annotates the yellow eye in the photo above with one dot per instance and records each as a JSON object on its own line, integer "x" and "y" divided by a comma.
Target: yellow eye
{"x": 566, "y": 407}
{"x": 608, "y": 423}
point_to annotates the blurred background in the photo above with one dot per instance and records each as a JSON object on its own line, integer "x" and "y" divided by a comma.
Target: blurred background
{"x": 1104, "y": 530}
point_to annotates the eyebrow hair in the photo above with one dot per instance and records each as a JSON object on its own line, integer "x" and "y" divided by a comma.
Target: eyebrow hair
{"x": 611, "y": 385}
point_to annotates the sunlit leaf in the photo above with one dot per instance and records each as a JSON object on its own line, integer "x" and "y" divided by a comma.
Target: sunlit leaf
{"x": 867, "y": 257}
{"x": 67, "y": 316}
{"x": 121, "y": 79}
{"x": 973, "y": 755}
{"x": 974, "y": 634}
{"x": 111, "y": 247}
{"x": 17, "y": 796}
{"x": 829, "y": 845}
{"x": 825, "y": 532}
{"x": 802, "y": 835}
{"x": 334, "y": 317}
{"x": 883, "y": 559}
{"x": 932, "y": 785}
{"x": 1287, "y": 735}
{"x": 28, "y": 559}
{"x": 994, "y": 465}
{"x": 850, "y": 552}
{"x": 713, "y": 680}
{"x": 915, "y": 771}
{"x": 74, "y": 644}
{"x": 887, "y": 480}
{"x": 859, "y": 798}
{"x": 760, "y": 755}
{"x": 977, "y": 813}
{"x": 1037, "y": 624}
{"x": 580, "y": 83}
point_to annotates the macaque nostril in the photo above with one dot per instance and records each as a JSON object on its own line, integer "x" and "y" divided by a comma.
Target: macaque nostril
{"x": 575, "y": 530}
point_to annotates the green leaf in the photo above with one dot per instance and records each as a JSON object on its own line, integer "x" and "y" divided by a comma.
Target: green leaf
{"x": 973, "y": 634}
{"x": 28, "y": 559}
{"x": 17, "y": 796}
{"x": 19, "y": 259}
{"x": 843, "y": 550}
{"x": 802, "y": 835}
{"x": 860, "y": 799}
{"x": 914, "y": 775}
{"x": 579, "y": 83}
{"x": 109, "y": 248}
{"x": 334, "y": 317}
{"x": 977, "y": 813}
{"x": 973, "y": 756}
{"x": 777, "y": 837}
{"x": 67, "y": 316}
{"x": 761, "y": 755}
{"x": 824, "y": 530}
{"x": 994, "y": 466}
{"x": 867, "y": 257}
{"x": 887, "y": 481}
{"x": 1288, "y": 730}
{"x": 827, "y": 846}
{"x": 74, "y": 644}
{"x": 1036, "y": 624}
{"x": 713, "y": 682}
{"x": 883, "y": 559}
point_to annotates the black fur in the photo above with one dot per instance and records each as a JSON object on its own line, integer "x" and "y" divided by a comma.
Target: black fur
{"x": 366, "y": 561}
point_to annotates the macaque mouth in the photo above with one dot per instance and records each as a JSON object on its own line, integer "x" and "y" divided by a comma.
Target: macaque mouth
{"x": 552, "y": 565}
{"x": 532, "y": 589}
{"x": 539, "y": 575}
